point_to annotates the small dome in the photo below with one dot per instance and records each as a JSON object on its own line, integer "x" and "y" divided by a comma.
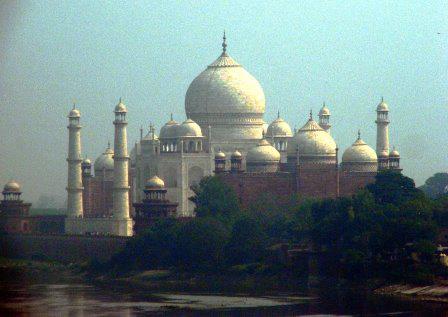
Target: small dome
{"x": 86, "y": 161}
{"x": 74, "y": 113}
{"x": 151, "y": 136}
{"x": 313, "y": 141}
{"x": 382, "y": 106}
{"x": 263, "y": 152}
{"x": 394, "y": 153}
{"x": 120, "y": 107}
{"x": 279, "y": 128}
{"x": 324, "y": 111}
{"x": 169, "y": 130}
{"x": 105, "y": 160}
{"x": 220, "y": 155}
{"x": 155, "y": 182}
{"x": 383, "y": 153}
{"x": 359, "y": 152}
{"x": 236, "y": 154}
{"x": 189, "y": 128}
{"x": 12, "y": 187}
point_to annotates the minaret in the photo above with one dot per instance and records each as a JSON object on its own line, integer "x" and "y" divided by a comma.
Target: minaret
{"x": 324, "y": 118}
{"x": 74, "y": 160}
{"x": 382, "y": 132}
{"x": 121, "y": 167}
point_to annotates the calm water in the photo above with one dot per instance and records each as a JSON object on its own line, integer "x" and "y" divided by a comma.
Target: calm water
{"x": 22, "y": 299}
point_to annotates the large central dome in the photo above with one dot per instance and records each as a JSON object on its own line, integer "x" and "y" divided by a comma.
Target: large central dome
{"x": 227, "y": 98}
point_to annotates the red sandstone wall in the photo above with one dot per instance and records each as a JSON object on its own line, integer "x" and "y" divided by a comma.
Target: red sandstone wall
{"x": 318, "y": 183}
{"x": 62, "y": 248}
{"x": 350, "y": 183}
{"x": 249, "y": 186}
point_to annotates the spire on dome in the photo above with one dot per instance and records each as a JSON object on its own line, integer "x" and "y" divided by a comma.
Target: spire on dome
{"x": 278, "y": 114}
{"x": 108, "y": 144}
{"x": 359, "y": 134}
{"x": 224, "y": 44}
{"x": 311, "y": 114}
{"x": 171, "y": 116}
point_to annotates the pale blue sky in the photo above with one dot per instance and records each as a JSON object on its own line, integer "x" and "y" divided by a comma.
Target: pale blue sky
{"x": 348, "y": 53}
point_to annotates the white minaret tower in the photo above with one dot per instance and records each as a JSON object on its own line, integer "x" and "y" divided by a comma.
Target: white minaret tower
{"x": 121, "y": 174}
{"x": 324, "y": 118}
{"x": 74, "y": 160}
{"x": 382, "y": 134}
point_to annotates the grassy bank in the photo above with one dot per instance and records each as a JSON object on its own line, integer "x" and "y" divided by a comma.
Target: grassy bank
{"x": 30, "y": 270}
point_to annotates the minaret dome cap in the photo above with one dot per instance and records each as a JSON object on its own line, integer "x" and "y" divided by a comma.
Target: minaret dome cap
{"x": 220, "y": 155}
{"x": 382, "y": 106}
{"x": 120, "y": 107}
{"x": 155, "y": 182}
{"x": 11, "y": 187}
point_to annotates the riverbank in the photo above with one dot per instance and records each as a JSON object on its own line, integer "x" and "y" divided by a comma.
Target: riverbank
{"x": 37, "y": 271}
{"x": 165, "y": 280}
{"x": 431, "y": 293}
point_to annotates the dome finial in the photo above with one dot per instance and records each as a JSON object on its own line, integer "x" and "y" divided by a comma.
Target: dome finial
{"x": 108, "y": 144}
{"x": 311, "y": 114}
{"x": 171, "y": 116}
{"x": 359, "y": 134}
{"x": 382, "y": 99}
{"x": 278, "y": 114}
{"x": 323, "y": 106}
{"x": 224, "y": 45}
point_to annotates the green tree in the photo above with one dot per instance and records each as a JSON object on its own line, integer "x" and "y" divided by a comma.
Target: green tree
{"x": 436, "y": 185}
{"x": 200, "y": 245}
{"x": 248, "y": 241}
{"x": 394, "y": 188}
{"x": 214, "y": 198}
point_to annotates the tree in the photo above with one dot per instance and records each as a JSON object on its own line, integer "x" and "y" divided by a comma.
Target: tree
{"x": 212, "y": 197}
{"x": 248, "y": 241}
{"x": 200, "y": 245}
{"x": 394, "y": 188}
{"x": 436, "y": 185}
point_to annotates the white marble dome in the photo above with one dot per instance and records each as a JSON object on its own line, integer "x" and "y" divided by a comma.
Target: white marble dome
{"x": 383, "y": 153}
{"x": 189, "y": 128}
{"x": 279, "y": 128}
{"x": 224, "y": 87}
{"x": 237, "y": 154}
{"x": 394, "y": 153}
{"x": 228, "y": 99}
{"x": 120, "y": 107}
{"x": 264, "y": 152}
{"x": 359, "y": 152}
{"x": 105, "y": 161}
{"x": 155, "y": 182}
{"x": 74, "y": 113}
{"x": 220, "y": 155}
{"x": 324, "y": 111}
{"x": 169, "y": 130}
{"x": 12, "y": 187}
{"x": 382, "y": 106}
{"x": 313, "y": 141}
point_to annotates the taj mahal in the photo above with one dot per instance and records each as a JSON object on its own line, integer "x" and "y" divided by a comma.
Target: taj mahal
{"x": 224, "y": 134}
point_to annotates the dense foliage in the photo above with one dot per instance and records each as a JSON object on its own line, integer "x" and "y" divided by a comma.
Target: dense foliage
{"x": 436, "y": 185}
{"x": 386, "y": 230}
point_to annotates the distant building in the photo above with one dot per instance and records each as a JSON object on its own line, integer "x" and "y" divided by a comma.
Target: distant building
{"x": 15, "y": 215}
{"x": 154, "y": 205}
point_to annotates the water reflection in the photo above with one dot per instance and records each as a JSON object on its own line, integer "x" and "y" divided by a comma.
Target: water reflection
{"x": 88, "y": 300}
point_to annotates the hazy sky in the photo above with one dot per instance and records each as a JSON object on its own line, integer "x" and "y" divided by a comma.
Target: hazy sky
{"x": 347, "y": 53}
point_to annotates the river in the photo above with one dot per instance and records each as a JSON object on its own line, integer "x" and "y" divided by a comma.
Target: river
{"x": 19, "y": 298}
